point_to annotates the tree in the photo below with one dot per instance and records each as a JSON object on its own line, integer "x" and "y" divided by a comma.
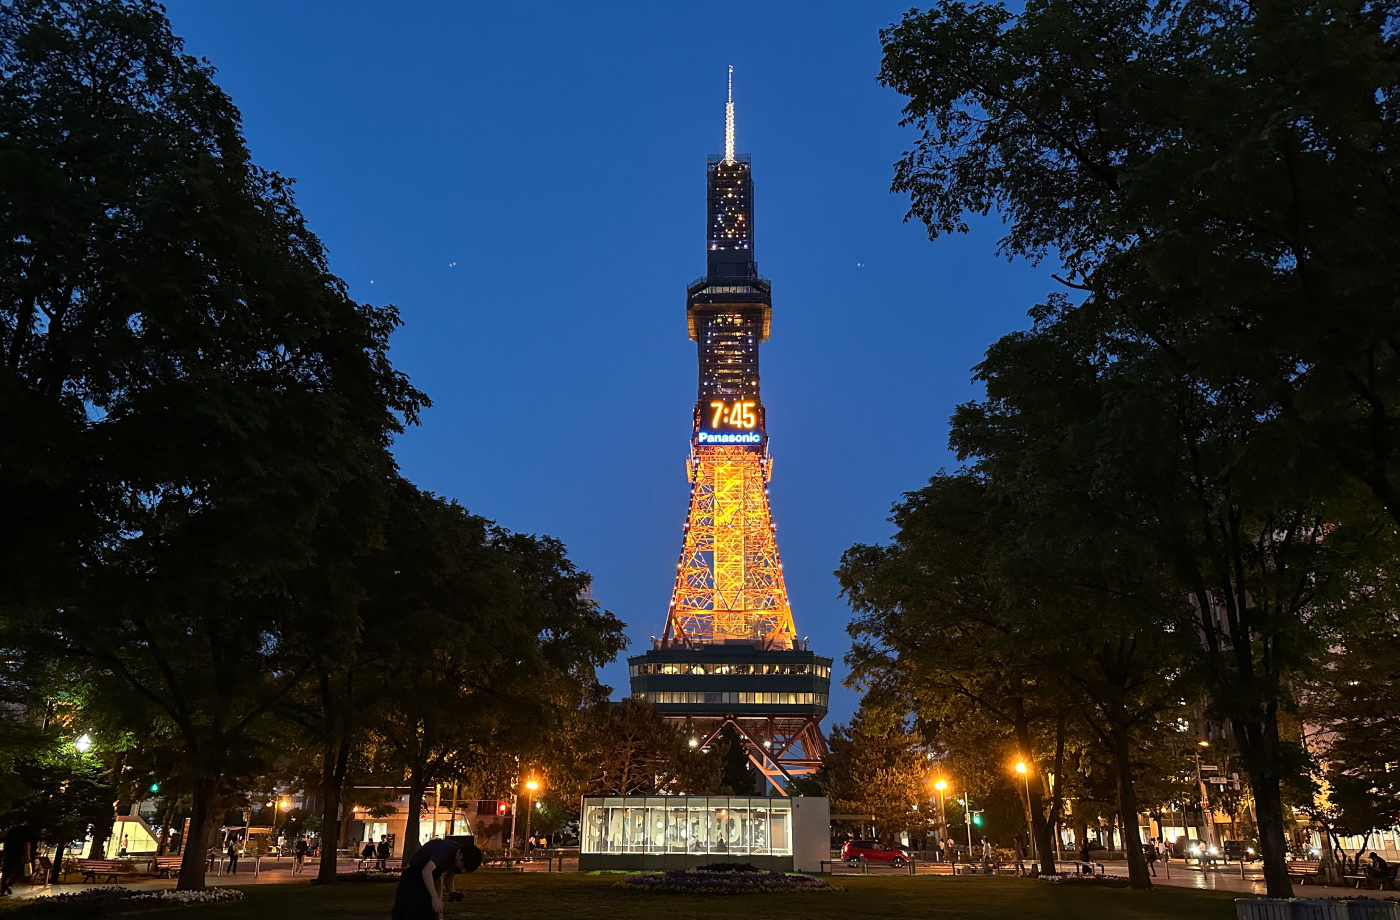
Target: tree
{"x": 936, "y": 628}
{"x": 1352, "y": 702}
{"x": 1218, "y": 181}
{"x": 876, "y": 766}
{"x": 196, "y": 389}
{"x": 495, "y": 639}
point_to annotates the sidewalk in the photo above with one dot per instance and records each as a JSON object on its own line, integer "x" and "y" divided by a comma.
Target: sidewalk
{"x": 272, "y": 872}
{"x": 1228, "y": 879}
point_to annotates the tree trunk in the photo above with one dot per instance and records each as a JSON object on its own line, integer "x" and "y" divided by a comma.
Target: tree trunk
{"x": 193, "y": 861}
{"x": 102, "y": 832}
{"x": 417, "y": 788}
{"x": 1268, "y": 808}
{"x": 56, "y": 870}
{"x": 1138, "y": 876}
{"x": 335, "y": 764}
{"x": 164, "y": 843}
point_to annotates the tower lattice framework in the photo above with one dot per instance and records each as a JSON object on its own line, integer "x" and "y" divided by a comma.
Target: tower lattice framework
{"x": 729, "y": 655}
{"x": 729, "y": 581}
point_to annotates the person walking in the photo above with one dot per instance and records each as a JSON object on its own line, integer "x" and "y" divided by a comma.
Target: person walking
{"x": 1151, "y": 853}
{"x": 417, "y": 897}
{"x": 299, "y": 859}
{"x": 384, "y": 852}
{"x": 19, "y": 855}
{"x": 232, "y": 853}
{"x": 1020, "y": 855}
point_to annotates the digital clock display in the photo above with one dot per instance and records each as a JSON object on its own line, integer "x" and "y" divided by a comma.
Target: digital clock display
{"x": 733, "y": 415}
{"x": 737, "y": 422}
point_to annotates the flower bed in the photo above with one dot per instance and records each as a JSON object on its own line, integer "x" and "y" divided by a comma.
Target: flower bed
{"x": 1098, "y": 881}
{"x": 723, "y": 878}
{"x": 368, "y": 875}
{"x": 107, "y": 902}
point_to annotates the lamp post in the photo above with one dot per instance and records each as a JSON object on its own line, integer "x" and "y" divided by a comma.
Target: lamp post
{"x": 942, "y": 815}
{"x": 1206, "y": 821}
{"x": 530, "y": 787}
{"x": 1026, "y": 783}
{"x": 274, "y": 805}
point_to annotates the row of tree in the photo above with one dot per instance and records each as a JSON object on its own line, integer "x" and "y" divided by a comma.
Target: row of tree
{"x": 209, "y": 560}
{"x": 1178, "y": 497}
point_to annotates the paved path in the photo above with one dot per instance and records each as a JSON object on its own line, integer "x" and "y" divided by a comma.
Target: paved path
{"x": 1177, "y": 875}
{"x": 274, "y": 872}
{"x": 271, "y": 872}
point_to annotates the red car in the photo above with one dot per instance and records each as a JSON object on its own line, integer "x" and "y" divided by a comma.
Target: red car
{"x": 873, "y": 851}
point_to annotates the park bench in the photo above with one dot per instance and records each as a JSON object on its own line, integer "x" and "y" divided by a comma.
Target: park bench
{"x": 370, "y": 862}
{"x": 105, "y": 868}
{"x": 1368, "y": 878}
{"x": 164, "y": 865}
{"x": 1304, "y": 870}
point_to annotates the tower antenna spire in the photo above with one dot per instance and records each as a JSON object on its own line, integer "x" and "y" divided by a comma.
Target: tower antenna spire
{"x": 729, "y": 120}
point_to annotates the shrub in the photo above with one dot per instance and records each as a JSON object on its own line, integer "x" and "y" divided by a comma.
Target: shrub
{"x": 704, "y": 880}
{"x": 108, "y": 902}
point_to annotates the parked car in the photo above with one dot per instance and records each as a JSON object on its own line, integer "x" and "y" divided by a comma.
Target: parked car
{"x": 852, "y": 851}
{"x": 1238, "y": 851}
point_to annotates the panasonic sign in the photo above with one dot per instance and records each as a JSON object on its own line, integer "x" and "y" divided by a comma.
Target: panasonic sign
{"x": 713, "y": 437}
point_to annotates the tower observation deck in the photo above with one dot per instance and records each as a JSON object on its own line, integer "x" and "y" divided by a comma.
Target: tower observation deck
{"x": 729, "y": 653}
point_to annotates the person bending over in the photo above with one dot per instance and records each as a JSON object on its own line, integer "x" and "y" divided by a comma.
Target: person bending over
{"x": 417, "y": 896}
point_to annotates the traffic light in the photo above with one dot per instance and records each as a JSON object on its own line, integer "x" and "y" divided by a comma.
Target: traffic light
{"x": 977, "y": 818}
{"x": 500, "y": 807}
{"x": 155, "y": 787}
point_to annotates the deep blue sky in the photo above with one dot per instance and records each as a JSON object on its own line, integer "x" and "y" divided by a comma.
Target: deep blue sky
{"x": 526, "y": 182}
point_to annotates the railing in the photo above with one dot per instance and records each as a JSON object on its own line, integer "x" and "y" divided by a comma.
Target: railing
{"x": 736, "y": 281}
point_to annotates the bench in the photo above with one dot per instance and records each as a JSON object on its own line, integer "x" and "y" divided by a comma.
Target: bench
{"x": 372, "y": 862}
{"x": 105, "y": 868}
{"x": 1369, "y": 876}
{"x": 1304, "y": 870}
{"x": 164, "y": 865}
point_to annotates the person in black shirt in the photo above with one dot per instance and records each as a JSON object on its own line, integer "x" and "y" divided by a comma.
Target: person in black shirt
{"x": 417, "y": 896}
{"x": 19, "y": 854}
{"x": 299, "y": 856}
{"x": 384, "y": 851}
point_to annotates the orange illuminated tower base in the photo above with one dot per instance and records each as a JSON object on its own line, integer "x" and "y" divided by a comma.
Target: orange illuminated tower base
{"x": 729, "y": 582}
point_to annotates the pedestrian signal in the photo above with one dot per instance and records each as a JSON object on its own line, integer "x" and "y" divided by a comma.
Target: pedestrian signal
{"x": 977, "y": 818}
{"x": 500, "y": 807}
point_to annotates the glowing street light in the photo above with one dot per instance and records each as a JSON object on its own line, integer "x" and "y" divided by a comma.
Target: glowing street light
{"x": 940, "y": 785}
{"x": 1026, "y": 784}
{"x": 531, "y": 786}
{"x": 83, "y": 743}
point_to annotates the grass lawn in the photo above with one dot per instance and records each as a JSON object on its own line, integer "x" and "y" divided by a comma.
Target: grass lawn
{"x": 501, "y": 896}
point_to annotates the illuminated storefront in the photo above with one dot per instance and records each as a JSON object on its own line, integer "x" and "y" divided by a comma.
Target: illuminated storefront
{"x": 671, "y": 832}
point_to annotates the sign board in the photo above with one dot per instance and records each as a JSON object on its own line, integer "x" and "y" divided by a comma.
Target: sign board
{"x": 1209, "y": 766}
{"x": 1219, "y": 780}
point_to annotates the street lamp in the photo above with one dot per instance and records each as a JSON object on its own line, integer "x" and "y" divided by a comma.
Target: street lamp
{"x": 1026, "y": 783}
{"x": 530, "y": 787}
{"x": 274, "y": 805}
{"x": 942, "y": 816}
{"x": 82, "y": 743}
{"x": 1206, "y": 819}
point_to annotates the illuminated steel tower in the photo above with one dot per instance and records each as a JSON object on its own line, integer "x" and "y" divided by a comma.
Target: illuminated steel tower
{"x": 729, "y": 653}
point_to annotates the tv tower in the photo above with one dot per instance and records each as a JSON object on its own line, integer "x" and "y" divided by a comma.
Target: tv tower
{"x": 729, "y": 653}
